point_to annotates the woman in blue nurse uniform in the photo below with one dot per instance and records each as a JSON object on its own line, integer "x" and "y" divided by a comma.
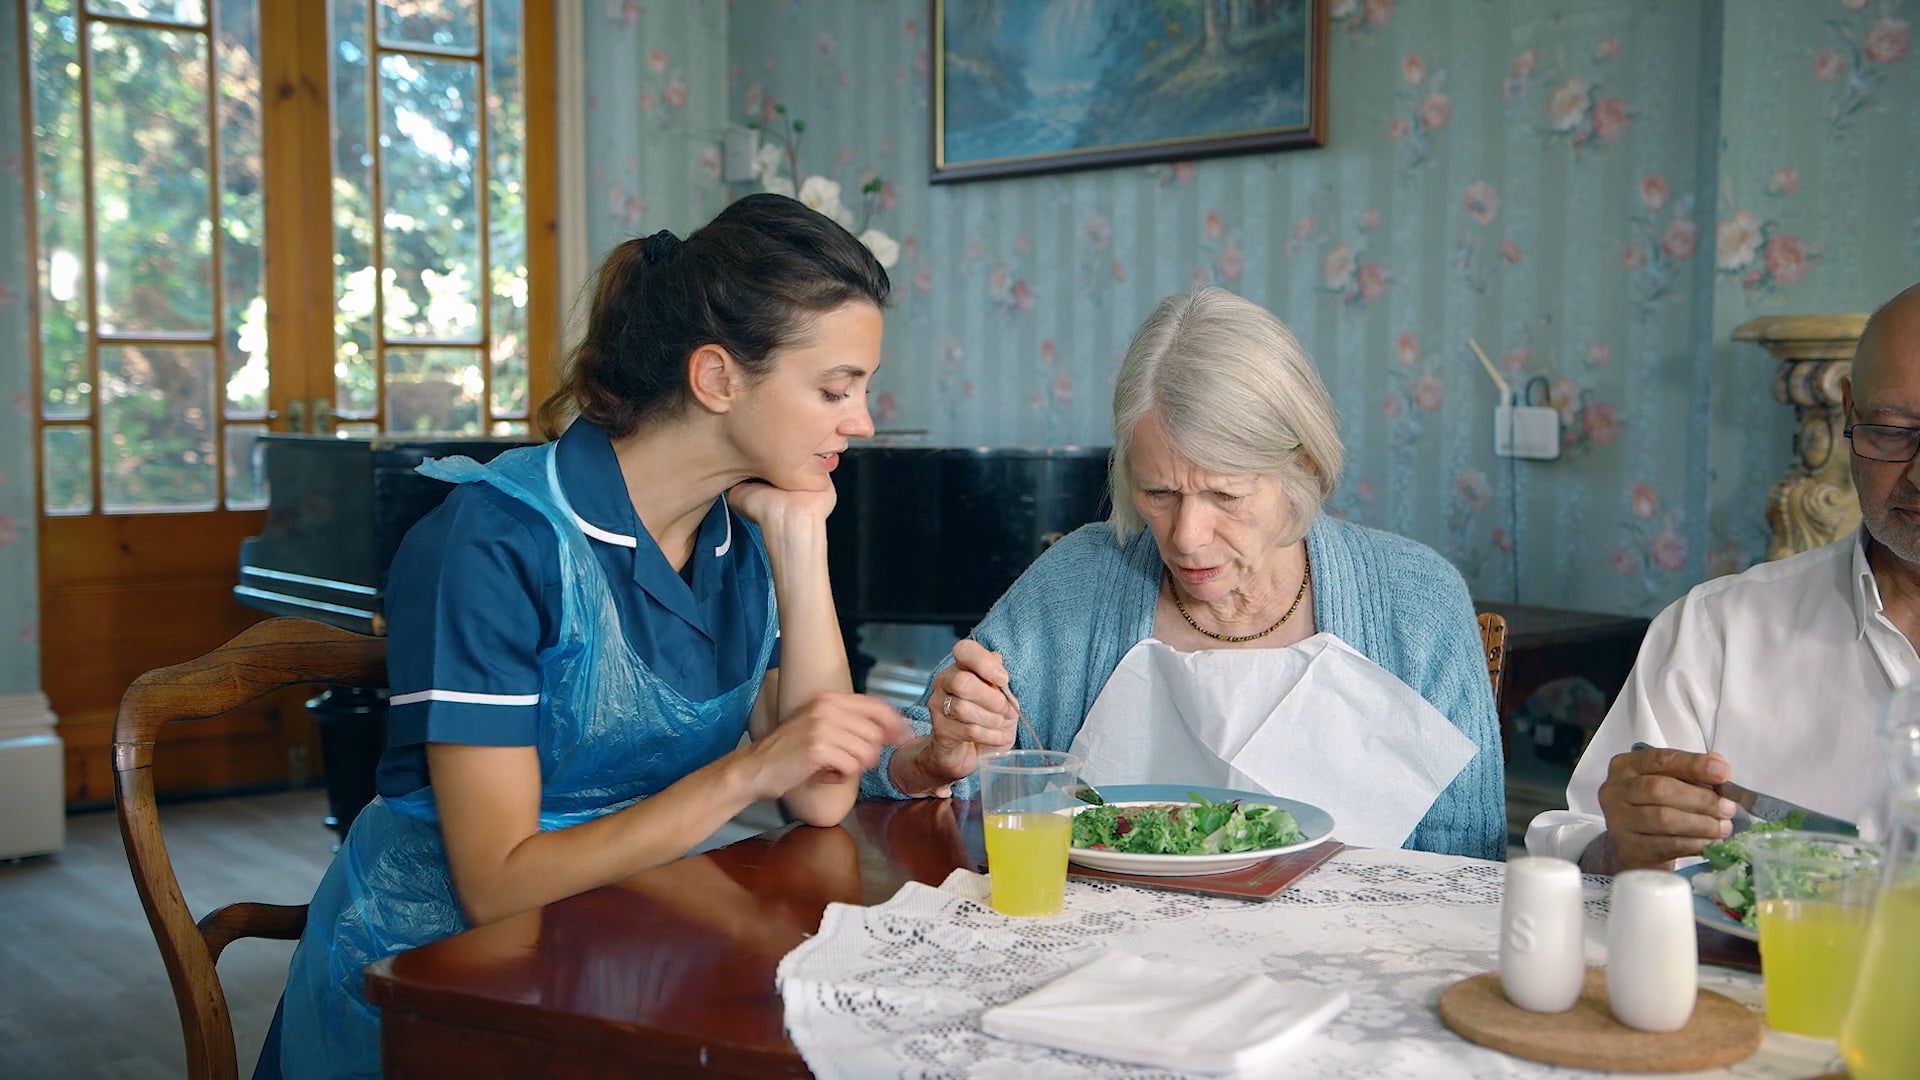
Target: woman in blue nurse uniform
{"x": 580, "y": 635}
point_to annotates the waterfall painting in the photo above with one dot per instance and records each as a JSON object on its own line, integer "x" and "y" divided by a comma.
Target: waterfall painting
{"x": 1033, "y": 86}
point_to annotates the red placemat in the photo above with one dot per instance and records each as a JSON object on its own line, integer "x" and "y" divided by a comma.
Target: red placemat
{"x": 1261, "y": 881}
{"x": 1722, "y": 949}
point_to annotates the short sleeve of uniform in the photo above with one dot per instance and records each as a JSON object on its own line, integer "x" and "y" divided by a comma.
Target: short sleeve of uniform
{"x": 471, "y": 599}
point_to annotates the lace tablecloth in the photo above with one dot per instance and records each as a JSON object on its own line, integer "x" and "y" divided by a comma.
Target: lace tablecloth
{"x": 897, "y": 990}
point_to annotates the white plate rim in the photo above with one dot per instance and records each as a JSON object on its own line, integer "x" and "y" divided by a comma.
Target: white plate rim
{"x": 1145, "y": 865}
{"x": 1708, "y": 914}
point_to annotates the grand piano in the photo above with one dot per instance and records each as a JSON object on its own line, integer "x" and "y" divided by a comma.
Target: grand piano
{"x": 922, "y": 534}
{"x": 336, "y": 512}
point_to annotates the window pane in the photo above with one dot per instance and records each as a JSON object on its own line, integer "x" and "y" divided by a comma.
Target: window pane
{"x": 190, "y": 12}
{"x": 66, "y": 468}
{"x": 246, "y": 471}
{"x": 444, "y": 24}
{"x": 506, "y": 209}
{"x": 356, "y": 383}
{"x": 66, "y": 385}
{"x": 153, "y": 236}
{"x": 510, "y": 427}
{"x": 429, "y": 138}
{"x": 242, "y": 288}
{"x": 433, "y": 390}
{"x": 156, "y": 428}
{"x": 356, "y": 431}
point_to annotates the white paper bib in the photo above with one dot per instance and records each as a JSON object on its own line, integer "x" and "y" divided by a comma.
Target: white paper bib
{"x": 1316, "y": 721}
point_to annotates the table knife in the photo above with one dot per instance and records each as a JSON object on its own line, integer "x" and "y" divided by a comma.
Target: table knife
{"x": 1763, "y": 807}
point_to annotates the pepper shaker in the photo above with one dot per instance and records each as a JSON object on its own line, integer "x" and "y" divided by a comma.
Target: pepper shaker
{"x": 1542, "y": 935}
{"x": 1653, "y": 960}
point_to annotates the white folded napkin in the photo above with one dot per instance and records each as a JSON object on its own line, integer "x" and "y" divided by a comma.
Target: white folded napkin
{"x": 1169, "y": 1015}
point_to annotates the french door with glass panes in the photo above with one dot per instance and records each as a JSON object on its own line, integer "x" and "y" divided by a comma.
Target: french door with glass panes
{"x": 223, "y": 249}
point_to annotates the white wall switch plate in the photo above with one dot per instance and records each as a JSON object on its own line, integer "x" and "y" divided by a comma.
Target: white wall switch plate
{"x": 1526, "y": 431}
{"x": 737, "y": 152}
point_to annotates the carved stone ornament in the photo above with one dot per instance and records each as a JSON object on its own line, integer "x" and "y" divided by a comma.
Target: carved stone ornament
{"x": 1814, "y": 503}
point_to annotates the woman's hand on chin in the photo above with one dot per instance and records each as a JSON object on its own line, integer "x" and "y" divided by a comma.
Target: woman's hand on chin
{"x": 779, "y": 510}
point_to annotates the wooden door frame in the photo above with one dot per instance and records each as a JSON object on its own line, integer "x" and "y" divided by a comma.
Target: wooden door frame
{"x": 277, "y": 743}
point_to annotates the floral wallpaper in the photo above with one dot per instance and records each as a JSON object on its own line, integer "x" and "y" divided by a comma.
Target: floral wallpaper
{"x": 1594, "y": 194}
{"x": 1521, "y": 179}
{"x": 19, "y": 586}
{"x": 656, "y": 111}
{"x": 1816, "y": 208}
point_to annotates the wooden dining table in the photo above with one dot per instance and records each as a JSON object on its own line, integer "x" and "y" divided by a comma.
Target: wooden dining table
{"x": 672, "y": 972}
{"x": 668, "y": 973}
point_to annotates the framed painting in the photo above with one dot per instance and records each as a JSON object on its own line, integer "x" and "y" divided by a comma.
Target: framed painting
{"x": 1036, "y": 86}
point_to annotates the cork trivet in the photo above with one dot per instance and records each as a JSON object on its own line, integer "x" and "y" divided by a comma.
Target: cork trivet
{"x": 1721, "y": 1031}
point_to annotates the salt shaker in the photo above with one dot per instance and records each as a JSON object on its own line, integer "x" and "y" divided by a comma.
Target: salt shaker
{"x": 1542, "y": 935}
{"x": 1653, "y": 962}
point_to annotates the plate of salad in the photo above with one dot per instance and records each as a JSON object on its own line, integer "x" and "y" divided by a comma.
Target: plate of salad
{"x": 1723, "y": 884}
{"x": 1181, "y": 830}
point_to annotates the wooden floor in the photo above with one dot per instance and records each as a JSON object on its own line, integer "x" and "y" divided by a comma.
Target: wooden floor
{"x": 82, "y": 991}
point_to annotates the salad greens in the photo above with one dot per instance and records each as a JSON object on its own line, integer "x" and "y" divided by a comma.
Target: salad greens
{"x": 1197, "y": 828}
{"x": 1729, "y": 880}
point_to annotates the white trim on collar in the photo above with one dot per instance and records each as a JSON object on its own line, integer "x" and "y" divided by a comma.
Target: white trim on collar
{"x": 466, "y": 697}
{"x": 601, "y": 534}
{"x": 604, "y": 536}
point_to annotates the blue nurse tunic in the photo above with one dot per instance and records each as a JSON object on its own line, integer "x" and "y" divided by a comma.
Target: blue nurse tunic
{"x": 529, "y": 610}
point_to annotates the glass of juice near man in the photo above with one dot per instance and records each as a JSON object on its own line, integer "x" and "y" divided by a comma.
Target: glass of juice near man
{"x": 1880, "y": 1038}
{"x": 1026, "y": 798}
{"x": 1813, "y": 894}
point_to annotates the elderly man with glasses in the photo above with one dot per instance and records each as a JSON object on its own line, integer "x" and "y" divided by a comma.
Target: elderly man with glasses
{"x": 1773, "y": 677}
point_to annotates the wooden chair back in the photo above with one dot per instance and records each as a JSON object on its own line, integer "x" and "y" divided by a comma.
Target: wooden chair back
{"x": 1493, "y": 638}
{"x": 268, "y": 656}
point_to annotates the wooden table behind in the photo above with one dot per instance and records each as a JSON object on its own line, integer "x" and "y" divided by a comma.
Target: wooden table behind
{"x": 666, "y": 974}
{"x": 1544, "y": 644}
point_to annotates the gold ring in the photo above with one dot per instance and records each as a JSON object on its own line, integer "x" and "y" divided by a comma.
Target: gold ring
{"x": 947, "y": 709}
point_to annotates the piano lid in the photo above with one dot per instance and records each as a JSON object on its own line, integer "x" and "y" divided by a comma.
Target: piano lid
{"x": 931, "y": 534}
{"x": 922, "y": 534}
{"x": 336, "y": 513}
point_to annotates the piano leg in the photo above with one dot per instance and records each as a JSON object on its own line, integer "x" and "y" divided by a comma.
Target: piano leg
{"x": 353, "y": 731}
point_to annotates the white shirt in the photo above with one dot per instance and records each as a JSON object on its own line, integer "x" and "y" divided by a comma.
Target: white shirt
{"x": 1781, "y": 669}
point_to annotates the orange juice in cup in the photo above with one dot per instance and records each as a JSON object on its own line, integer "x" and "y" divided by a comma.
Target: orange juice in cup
{"x": 1027, "y": 857}
{"x": 1025, "y": 799}
{"x": 1812, "y": 895}
{"x": 1879, "y": 1038}
{"x": 1811, "y": 952}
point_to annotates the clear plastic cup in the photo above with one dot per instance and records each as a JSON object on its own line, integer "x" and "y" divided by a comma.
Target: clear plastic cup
{"x": 1813, "y": 894}
{"x": 1026, "y": 798}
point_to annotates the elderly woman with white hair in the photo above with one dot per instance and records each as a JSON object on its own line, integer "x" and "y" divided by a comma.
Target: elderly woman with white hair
{"x": 1202, "y": 649}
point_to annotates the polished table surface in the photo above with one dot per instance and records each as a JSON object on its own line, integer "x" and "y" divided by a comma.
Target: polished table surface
{"x": 669, "y": 972}
{"x": 672, "y": 972}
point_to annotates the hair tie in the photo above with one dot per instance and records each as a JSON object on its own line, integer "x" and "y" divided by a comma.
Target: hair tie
{"x": 659, "y": 247}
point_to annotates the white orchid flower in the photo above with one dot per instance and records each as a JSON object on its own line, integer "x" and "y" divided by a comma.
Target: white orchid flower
{"x": 886, "y": 252}
{"x": 767, "y": 162}
{"x": 822, "y": 194}
{"x": 778, "y": 185}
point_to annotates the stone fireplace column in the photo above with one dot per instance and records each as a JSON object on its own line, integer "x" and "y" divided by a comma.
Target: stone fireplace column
{"x": 1814, "y": 503}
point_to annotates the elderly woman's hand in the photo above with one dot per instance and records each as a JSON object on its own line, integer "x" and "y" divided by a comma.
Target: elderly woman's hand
{"x": 972, "y": 713}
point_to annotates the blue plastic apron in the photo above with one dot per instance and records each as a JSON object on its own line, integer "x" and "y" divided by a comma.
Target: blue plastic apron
{"x": 611, "y": 733}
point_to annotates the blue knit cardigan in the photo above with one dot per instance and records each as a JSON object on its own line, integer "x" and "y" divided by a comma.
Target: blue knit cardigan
{"x": 1063, "y": 627}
